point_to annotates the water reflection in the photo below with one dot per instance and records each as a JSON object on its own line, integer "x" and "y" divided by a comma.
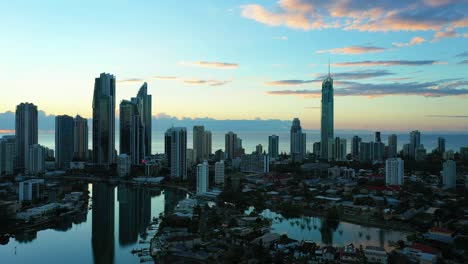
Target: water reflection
{"x": 134, "y": 213}
{"x": 330, "y": 232}
{"x": 103, "y": 223}
{"x": 172, "y": 198}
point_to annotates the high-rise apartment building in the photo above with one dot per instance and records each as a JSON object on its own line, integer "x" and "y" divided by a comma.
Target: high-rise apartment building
{"x": 273, "y": 146}
{"x": 177, "y": 137}
{"x": 298, "y": 141}
{"x": 230, "y": 145}
{"x": 219, "y": 172}
{"x": 441, "y": 145}
{"x": 355, "y": 144}
{"x": 259, "y": 149}
{"x": 415, "y": 142}
{"x": 394, "y": 171}
{"x": 36, "y": 160}
{"x": 64, "y": 141}
{"x": 80, "y": 143}
{"x": 392, "y": 146}
{"x": 132, "y": 130}
{"x": 145, "y": 100}
{"x": 26, "y": 133}
{"x": 104, "y": 120}
{"x": 202, "y": 177}
{"x": 449, "y": 174}
{"x": 7, "y": 155}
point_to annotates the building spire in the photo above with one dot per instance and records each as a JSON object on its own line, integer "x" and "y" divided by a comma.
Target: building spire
{"x": 328, "y": 66}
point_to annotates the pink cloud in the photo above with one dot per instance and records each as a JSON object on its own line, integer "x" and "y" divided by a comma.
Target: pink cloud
{"x": 376, "y": 15}
{"x": 414, "y": 41}
{"x": 353, "y": 50}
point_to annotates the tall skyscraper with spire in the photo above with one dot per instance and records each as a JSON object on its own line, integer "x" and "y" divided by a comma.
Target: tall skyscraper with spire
{"x": 326, "y": 132}
{"x": 104, "y": 120}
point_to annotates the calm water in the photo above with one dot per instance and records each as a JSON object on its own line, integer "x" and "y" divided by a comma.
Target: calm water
{"x": 250, "y": 139}
{"x": 315, "y": 229}
{"x": 120, "y": 214}
{"x": 107, "y": 234}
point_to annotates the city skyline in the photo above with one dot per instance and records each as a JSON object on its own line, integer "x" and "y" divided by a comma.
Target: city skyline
{"x": 418, "y": 66}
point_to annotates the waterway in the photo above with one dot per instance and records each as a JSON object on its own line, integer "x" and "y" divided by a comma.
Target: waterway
{"x": 324, "y": 232}
{"x": 120, "y": 215}
{"x": 105, "y": 234}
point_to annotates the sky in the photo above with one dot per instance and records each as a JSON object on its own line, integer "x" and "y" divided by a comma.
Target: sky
{"x": 396, "y": 65}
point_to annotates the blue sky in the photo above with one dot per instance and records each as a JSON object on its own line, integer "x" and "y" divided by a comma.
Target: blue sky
{"x": 244, "y": 59}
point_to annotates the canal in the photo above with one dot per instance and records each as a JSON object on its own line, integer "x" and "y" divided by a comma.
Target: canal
{"x": 117, "y": 222}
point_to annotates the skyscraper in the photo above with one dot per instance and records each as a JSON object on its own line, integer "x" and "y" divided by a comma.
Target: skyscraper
{"x": 26, "y": 132}
{"x": 132, "y": 130}
{"x": 298, "y": 141}
{"x": 207, "y": 150}
{"x": 7, "y": 155}
{"x": 415, "y": 142}
{"x": 259, "y": 149}
{"x": 449, "y": 174}
{"x": 178, "y": 152}
{"x": 219, "y": 172}
{"x": 394, "y": 171}
{"x": 392, "y": 146}
{"x": 64, "y": 140}
{"x": 80, "y": 138}
{"x": 104, "y": 120}
{"x": 377, "y": 137}
{"x": 273, "y": 146}
{"x": 355, "y": 144}
{"x": 202, "y": 177}
{"x": 198, "y": 143}
{"x": 441, "y": 145}
{"x": 146, "y": 116}
{"x": 326, "y": 132}
{"x": 230, "y": 144}
{"x": 36, "y": 159}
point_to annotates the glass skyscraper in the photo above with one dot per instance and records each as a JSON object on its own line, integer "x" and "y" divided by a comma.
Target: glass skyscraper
{"x": 26, "y": 132}
{"x": 64, "y": 141}
{"x": 104, "y": 120}
{"x": 146, "y": 116}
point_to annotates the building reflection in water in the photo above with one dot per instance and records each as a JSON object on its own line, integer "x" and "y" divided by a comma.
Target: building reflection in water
{"x": 103, "y": 223}
{"x": 171, "y": 198}
{"x": 134, "y": 213}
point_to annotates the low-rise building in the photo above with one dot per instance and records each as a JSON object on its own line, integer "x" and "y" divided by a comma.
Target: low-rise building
{"x": 375, "y": 255}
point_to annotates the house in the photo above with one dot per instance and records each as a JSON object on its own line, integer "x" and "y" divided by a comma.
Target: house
{"x": 375, "y": 255}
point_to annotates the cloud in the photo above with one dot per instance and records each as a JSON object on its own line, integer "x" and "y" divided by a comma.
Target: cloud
{"x": 341, "y": 76}
{"x": 427, "y": 89}
{"x": 414, "y": 41}
{"x": 169, "y": 78}
{"x": 388, "y": 63}
{"x": 131, "y": 80}
{"x": 281, "y": 38}
{"x": 445, "y": 34}
{"x": 290, "y": 82}
{"x": 211, "y": 64}
{"x": 358, "y": 74}
{"x": 207, "y": 82}
{"x": 361, "y": 15}
{"x": 353, "y": 50}
{"x": 463, "y": 54}
{"x": 448, "y": 116}
{"x": 463, "y": 62}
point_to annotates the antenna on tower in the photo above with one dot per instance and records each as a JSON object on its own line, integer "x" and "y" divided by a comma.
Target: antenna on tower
{"x": 328, "y": 66}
